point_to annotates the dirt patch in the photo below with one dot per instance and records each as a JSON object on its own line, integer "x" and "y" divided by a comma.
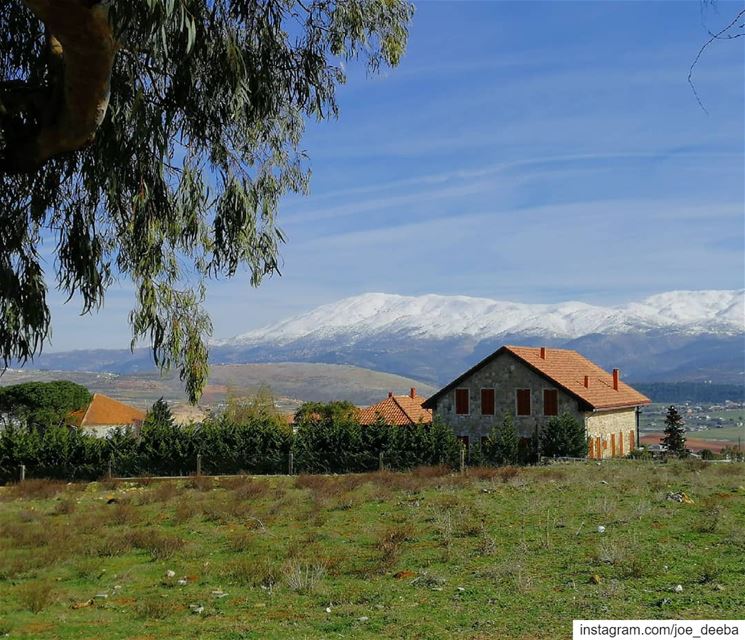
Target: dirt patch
{"x": 694, "y": 444}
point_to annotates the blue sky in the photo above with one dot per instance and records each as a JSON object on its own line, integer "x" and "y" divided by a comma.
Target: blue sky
{"x": 536, "y": 152}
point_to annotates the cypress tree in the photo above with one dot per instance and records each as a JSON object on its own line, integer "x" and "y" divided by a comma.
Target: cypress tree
{"x": 674, "y": 439}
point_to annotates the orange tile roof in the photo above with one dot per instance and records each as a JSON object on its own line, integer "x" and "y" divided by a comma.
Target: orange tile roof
{"x": 567, "y": 369}
{"x": 397, "y": 410}
{"x": 104, "y": 411}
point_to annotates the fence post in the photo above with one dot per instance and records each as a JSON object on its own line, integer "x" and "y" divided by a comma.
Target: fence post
{"x": 199, "y": 464}
{"x": 109, "y": 469}
{"x": 23, "y": 472}
{"x": 290, "y": 464}
{"x": 462, "y": 458}
{"x": 381, "y": 466}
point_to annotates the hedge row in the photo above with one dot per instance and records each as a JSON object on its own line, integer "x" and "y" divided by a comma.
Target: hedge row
{"x": 326, "y": 440}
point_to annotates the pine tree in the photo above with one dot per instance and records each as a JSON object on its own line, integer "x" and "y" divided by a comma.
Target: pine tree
{"x": 564, "y": 436}
{"x": 501, "y": 445}
{"x": 159, "y": 415}
{"x": 674, "y": 439}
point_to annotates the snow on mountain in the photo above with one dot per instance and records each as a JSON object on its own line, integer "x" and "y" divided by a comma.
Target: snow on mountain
{"x": 438, "y": 317}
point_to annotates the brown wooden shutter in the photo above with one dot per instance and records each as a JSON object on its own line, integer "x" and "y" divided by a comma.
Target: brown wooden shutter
{"x": 550, "y": 402}
{"x": 523, "y": 402}
{"x": 461, "y": 402}
{"x": 487, "y": 402}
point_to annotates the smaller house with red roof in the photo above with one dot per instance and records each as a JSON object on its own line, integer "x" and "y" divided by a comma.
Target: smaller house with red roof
{"x": 533, "y": 384}
{"x": 397, "y": 410}
{"x": 105, "y": 414}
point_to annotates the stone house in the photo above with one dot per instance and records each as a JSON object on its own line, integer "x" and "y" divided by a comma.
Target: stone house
{"x": 533, "y": 384}
{"x": 397, "y": 410}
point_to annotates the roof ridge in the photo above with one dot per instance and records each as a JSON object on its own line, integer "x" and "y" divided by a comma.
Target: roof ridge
{"x": 87, "y": 409}
{"x": 406, "y": 413}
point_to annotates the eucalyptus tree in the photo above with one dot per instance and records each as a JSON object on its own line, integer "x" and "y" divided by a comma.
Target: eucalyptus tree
{"x": 153, "y": 140}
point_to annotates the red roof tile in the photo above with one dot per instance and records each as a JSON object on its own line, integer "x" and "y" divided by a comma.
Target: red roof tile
{"x": 567, "y": 369}
{"x": 397, "y": 410}
{"x": 104, "y": 411}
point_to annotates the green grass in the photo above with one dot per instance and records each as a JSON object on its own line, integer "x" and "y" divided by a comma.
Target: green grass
{"x": 421, "y": 555}
{"x": 726, "y": 434}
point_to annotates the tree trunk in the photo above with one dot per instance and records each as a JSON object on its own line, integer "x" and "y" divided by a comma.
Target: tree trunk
{"x": 81, "y": 50}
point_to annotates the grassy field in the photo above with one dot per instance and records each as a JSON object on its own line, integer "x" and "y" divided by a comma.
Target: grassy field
{"x": 499, "y": 553}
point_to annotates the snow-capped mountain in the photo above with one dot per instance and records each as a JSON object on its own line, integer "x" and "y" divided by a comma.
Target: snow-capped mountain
{"x": 669, "y": 337}
{"x": 674, "y": 336}
{"x": 440, "y": 317}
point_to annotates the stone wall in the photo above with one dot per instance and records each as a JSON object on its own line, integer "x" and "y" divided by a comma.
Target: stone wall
{"x": 612, "y": 433}
{"x": 505, "y": 374}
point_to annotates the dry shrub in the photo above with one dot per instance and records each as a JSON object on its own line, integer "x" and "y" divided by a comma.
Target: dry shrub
{"x": 515, "y": 574}
{"x": 634, "y": 566}
{"x": 390, "y": 540}
{"x": 32, "y": 535}
{"x": 509, "y": 473}
{"x": 711, "y": 515}
{"x": 201, "y": 483}
{"x": 162, "y": 491}
{"x": 161, "y": 546}
{"x": 18, "y": 565}
{"x": 728, "y": 469}
{"x": 113, "y": 544}
{"x": 353, "y": 481}
{"x": 694, "y": 464}
{"x": 298, "y": 548}
{"x": 320, "y": 486}
{"x": 35, "y": 596}
{"x": 551, "y": 474}
{"x": 87, "y": 568}
{"x": 483, "y": 473}
{"x": 245, "y": 488}
{"x": 153, "y": 608}
{"x": 124, "y": 513}
{"x": 186, "y": 509}
{"x": 430, "y": 472}
{"x": 253, "y": 573}
{"x": 65, "y": 507}
{"x": 108, "y": 484}
{"x": 29, "y": 515}
{"x": 609, "y": 552}
{"x": 469, "y": 523}
{"x": 241, "y": 540}
{"x": 87, "y": 521}
{"x": 396, "y": 481}
{"x": 36, "y": 489}
{"x": 711, "y": 571}
{"x": 487, "y": 545}
{"x": 236, "y": 508}
{"x": 303, "y": 577}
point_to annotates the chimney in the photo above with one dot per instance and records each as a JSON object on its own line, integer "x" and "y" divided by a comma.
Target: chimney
{"x": 587, "y": 382}
{"x": 543, "y": 353}
{"x": 412, "y": 393}
{"x": 615, "y": 379}
{"x": 390, "y": 394}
